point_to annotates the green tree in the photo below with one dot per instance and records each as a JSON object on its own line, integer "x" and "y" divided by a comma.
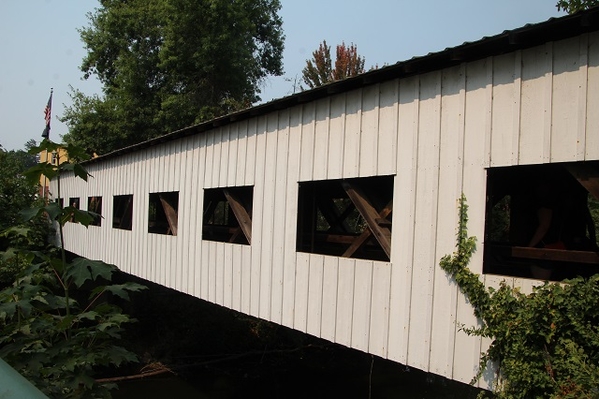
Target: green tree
{"x": 16, "y": 194}
{"x": 572, "y": 6}
{"x": 168, "y": 64}
{"x": 56, "y": 325}
{"x": 319, "y": 69}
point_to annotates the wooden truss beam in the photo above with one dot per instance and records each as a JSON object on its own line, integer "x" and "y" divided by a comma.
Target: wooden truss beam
{"x": 362, "y": 238}
{"x": 243, "y": 217}
{"x": 171, "y": 215}
{"x": 370, "y": 215}
{"x": 587, "y": 176}
{"x": 560, "y": 255}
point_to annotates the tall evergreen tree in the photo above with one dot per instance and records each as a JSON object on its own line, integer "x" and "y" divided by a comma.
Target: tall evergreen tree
{"x": 168, "y": 64}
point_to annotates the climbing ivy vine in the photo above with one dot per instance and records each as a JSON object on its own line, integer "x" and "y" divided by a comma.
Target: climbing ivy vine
{"x": 544, "y": 344}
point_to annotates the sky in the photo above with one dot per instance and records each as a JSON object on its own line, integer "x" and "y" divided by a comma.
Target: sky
{"x": 41, "y": 49}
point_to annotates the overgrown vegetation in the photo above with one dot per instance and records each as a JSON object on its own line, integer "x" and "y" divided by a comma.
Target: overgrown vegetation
{"x": 546, "y": 343}
{"x": 56, "y": 326}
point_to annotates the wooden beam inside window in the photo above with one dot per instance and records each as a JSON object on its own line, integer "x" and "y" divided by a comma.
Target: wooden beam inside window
{"x": 171, "y": 215}
{"x": 241, "y": 214}
{"x": 587, "y": 176}
{"x": 370, "y": 215}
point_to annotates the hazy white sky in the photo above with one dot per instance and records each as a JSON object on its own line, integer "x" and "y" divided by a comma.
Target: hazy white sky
{"x": 40, "y": 46}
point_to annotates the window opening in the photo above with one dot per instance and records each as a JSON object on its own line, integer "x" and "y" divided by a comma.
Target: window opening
{"x": 347, "y": 218}
{"x": 122, "y": 213}
{"x": 94, "y": 205}
{"x": 228, "y": 215}
{"x": 541, "y": 221}
{"x": 163, "y": 213}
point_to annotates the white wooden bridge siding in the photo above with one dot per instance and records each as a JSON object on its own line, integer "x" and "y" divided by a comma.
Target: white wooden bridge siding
{"x": 436, "y": 133}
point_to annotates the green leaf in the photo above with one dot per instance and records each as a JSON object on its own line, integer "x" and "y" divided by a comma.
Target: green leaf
{"x": 82, "y": 270}
{"x": 31, "y": 213}
{"x": 35, "y": 173}
{"x": 121, "y": 290}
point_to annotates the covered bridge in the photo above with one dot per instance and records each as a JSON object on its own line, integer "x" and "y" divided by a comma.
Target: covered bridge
{"x": 328, "y": 211}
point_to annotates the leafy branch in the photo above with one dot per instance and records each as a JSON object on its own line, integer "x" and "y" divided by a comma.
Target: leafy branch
{"x": 546, "y": 343}
{"x": 56, "y": 323}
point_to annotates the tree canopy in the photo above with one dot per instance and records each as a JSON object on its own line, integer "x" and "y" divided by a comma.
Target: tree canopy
{"x": 572, "y": 6}
{"x": 319, "y": 69}
{"x": 168, "y": 64}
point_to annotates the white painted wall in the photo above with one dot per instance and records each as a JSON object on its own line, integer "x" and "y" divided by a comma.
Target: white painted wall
{"x": 436, "y": 133}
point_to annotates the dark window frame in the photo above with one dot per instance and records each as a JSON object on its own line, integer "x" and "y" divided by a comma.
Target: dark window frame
{"x": 349, "y": 218}
{"x": 519, "y": 198}
{"x": 163, "y": 213}
{"x": 227, "y": 214}
{"x": 94, "y": 205}
{"x": 122, "y": 212}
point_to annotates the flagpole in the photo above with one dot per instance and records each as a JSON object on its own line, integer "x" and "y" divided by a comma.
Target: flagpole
{"x": 46, "y": 135}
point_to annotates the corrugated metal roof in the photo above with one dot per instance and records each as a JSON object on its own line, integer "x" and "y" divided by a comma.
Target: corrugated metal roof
{"x": 527, "y": 36}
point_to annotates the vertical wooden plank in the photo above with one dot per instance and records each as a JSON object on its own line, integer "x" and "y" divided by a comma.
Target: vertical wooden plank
{"x": 345, "y": 301}
{"x": 336, "y": 136}
{"x": 217, "y": 155}
{"x": 388, "y": 130}
{"x": 351, "y": 149}
{"x": 450, "y": 189}
{"x": 214, "y": 257}
{"x": 224, "y": 157}
{"x": 569, "y": 90}
{"x": 535, "y": 126}
{"x": 361, "y": 305}
{"x": 236, "y": 282}
{"x": 477, "y": 132}
{"x": 379, "y": 319}
{"x": 258, "y": 214}
{"x": 280, "y": 221}
{"x": 208, "y": 170}
{"x": 204, "y": 274}
{"x": 289, "y": 263}
{"x": 506, "y": 109}
{"x": 321, "y": 139}
{"x": 227, "y": 267}
{"x": 315, "y": 287}
{"x": 242, "y": 144}
{"x": 198, "y": 244}
{"x": 592, "y": 123}
{"x": 425, "y": 220}
{"x": 250, "y": 158}
{"x": 302, "y": 278}
{"x": 192, "y": 239}
{"x": 404, "y": 198}
{"x": 369, "y": 131}
{"x": 268, "y": 205}
{"x": 329, "y": 297}
{"x": 246, "y": 274}
{"x": 231, "y": 180}
{"x": 307, "y": 142}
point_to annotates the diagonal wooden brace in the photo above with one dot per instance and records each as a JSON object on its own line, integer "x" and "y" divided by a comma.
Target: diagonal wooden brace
{"x": 362, "y": 238}
{"x": 370, "y": 215}
{"x": 587, "y": 176}
{"x": 171, "y": 215}
{"x": 243, "y": 217}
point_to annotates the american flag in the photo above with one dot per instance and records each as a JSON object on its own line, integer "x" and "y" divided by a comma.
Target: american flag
{"x": 48, "y": 117}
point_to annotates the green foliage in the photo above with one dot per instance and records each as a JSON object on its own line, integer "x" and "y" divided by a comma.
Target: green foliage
{"x": 545, "y": 344}
{"x": 17, "y": 193}
{"x": 319, "y": 69}
{"x": 57, "y": 326}
{"x": 572, "y": 6}
{"x": 168, "y": 64}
